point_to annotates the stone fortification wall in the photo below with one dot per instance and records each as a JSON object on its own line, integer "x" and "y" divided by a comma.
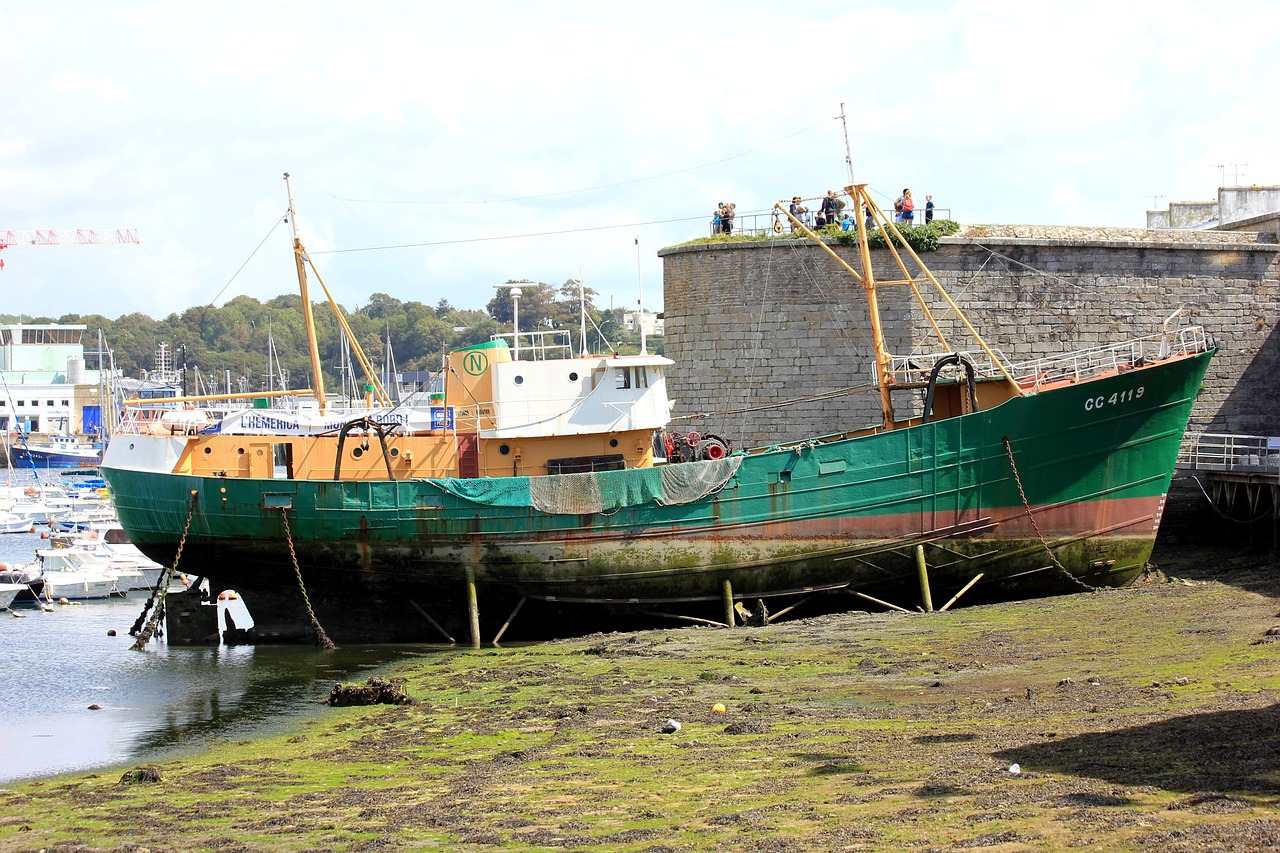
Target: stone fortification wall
{"x": 753, "y": 325}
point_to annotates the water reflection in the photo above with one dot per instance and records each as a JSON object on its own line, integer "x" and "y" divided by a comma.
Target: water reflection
{"x": 153, "y": 703}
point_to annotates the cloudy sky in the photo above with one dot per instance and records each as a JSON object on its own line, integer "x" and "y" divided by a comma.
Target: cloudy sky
{"x": 438, "y": 149}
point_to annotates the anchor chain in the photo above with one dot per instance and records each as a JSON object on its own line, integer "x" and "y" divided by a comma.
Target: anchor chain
{"x": 160, "y": 591}
{"x": 322, "y": 639}
{"x": 1013, "y": 466}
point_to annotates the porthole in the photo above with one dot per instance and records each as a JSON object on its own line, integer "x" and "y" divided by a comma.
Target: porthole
{"x": 613, "y": 442}
{"x": 356, "y": 453}
{"x": 573, "y": 377}
{"x": 208, "y": 450}
{"x": 519, "y": 380}
{"x": 240, "y": 451}
{"x": 504, "y": 449}
{"x": 394, "y": 452}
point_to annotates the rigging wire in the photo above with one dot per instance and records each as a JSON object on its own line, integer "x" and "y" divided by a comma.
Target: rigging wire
{"x": 506, "y": 236}
{"x": 285, "y": 218}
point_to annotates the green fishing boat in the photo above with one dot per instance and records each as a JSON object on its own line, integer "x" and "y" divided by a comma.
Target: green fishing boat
{"x": 551, "y": 475}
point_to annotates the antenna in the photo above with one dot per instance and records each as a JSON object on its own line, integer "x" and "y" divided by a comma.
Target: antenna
{"x": 514, "y": 289}
{"x": 848, "y": 154}
{"x": 644, "y": 349}
{"x": 1155, "y": 201}
{"x": 1235, "y": 178}
{"x": 582, "y": 308}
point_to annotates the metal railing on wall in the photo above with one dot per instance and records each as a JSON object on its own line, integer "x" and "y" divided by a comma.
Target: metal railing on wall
{"x": 763, "y": 224}
{"x": 1244, "y": 454}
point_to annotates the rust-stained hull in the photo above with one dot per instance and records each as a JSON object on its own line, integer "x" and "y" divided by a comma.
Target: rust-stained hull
{"x": 1045, "y": 493}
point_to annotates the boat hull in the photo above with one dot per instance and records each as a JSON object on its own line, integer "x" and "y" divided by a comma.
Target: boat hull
{"x": 1055, "y": 491}
{"x": 53, "y": 458}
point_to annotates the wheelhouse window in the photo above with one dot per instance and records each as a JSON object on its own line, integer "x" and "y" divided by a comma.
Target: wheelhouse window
{"x": 622, "y": 378}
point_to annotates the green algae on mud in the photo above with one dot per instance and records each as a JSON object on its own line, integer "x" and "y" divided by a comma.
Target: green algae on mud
{"x": 1139, "y": 718}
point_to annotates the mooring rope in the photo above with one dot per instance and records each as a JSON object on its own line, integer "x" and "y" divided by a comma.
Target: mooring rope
{"x": 322, "y": 639}
{"x": 1008, "y": 449}
{"x": 161, "y": 590}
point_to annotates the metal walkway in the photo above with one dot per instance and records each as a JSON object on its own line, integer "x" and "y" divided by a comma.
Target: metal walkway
{"x": 1240, "y": 474}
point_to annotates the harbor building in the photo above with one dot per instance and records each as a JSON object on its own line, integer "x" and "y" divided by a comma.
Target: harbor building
{"x": 45, "y": 385}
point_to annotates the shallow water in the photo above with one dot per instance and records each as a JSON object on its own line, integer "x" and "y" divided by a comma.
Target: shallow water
{"x": 154, "y": 703}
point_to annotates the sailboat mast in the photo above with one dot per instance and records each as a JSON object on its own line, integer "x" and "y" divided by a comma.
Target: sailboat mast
{"x": 308, "y": 320}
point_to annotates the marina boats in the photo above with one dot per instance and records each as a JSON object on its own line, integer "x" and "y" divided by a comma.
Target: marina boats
{"x": 108, "y": 542}
{"x": 72, "y": 574}
{"x": 536, "y": 478}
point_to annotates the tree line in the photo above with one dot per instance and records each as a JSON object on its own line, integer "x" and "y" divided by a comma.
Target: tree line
{"x": 235, "y": 338}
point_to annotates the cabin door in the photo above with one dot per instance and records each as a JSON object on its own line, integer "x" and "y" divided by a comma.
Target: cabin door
{"x": 468, "y": 455}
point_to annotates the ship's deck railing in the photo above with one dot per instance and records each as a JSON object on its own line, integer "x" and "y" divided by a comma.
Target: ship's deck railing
{"x": 914, "y": 369}
{"x": 1246, "y": 454}
{"x": 538, "y": 346}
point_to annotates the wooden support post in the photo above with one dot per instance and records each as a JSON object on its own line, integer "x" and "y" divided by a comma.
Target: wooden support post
{"x": 923, "y": 570}
{"x": 433, "y": 622}
{"x": 473, "y": 608}
{"x": 507, "y": 624}
{"x": 882, "y": 603}
{"x": 976, "y": 578}
{"x": 728, "y": 604}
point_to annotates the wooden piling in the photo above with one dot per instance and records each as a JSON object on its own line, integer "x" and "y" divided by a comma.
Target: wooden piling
{"x": 922, "y": 569}
{"x": 729, "y": 619}
{"x": 473, "y": 608}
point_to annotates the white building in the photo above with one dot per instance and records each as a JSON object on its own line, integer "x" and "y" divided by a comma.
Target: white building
{"x": 45, "y": 386}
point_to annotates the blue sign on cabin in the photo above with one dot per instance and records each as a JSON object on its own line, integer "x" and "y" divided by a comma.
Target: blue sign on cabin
{"x": 440, "y": 419}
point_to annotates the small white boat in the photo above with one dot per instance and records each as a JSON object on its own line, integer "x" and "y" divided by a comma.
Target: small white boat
{"x": 73, "y": 574}
{"x": 10, "y": 591}
{"x": 108, "y": 542}
{"x": 84, "y": 519}
{"x": 16, "y": 522}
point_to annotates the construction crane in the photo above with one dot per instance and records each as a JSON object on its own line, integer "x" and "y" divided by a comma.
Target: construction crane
{"x": 53, "y": 237}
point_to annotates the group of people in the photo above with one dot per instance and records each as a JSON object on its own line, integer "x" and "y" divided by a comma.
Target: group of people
{"x": 830, "y": 212}
{"x": 722, "y": 219}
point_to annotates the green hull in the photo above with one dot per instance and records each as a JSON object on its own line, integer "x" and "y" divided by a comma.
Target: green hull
{"x": 1094, "y": 460}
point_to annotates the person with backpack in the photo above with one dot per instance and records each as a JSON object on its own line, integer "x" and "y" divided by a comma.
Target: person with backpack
{"x": 905, "y": 207}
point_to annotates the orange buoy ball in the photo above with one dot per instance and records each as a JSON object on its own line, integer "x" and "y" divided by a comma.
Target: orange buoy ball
{"x": 222, "y": 596}
{"x": 718, "y": 708}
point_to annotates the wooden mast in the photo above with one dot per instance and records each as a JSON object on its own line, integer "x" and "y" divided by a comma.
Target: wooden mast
{"x": 858, "y": 196}
{"x": 300, "y": 258}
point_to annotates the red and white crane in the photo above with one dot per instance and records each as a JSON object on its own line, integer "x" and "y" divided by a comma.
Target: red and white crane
{"x": 66, "y": 237}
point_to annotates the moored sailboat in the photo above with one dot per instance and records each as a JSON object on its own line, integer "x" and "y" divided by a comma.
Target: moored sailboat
{"x": 537, "y": 478}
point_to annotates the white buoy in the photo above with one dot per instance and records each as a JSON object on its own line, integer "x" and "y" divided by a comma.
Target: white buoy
{"x": 1015, "y": 769}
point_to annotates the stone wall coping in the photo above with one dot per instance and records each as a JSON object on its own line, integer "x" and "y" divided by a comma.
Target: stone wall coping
{"x": 1047, "y": 235}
